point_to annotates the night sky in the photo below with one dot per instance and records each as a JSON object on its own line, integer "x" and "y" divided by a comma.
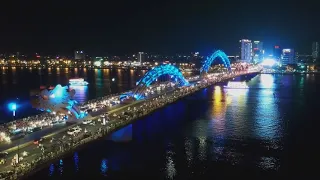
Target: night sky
{"x": 120, "y": 27}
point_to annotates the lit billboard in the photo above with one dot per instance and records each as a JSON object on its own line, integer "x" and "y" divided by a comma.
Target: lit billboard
{"x": 286, "y": 50}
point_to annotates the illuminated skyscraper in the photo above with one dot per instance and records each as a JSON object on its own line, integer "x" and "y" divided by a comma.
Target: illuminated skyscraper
{"x": 277, "y": 52}
{"x": 141, "y": 57}
{"x": 315, "y": 50}
{"x": 287, "y": 57}
{"x": 246, "y": 50}
{"x": 257, "y": 51}
{"x": 79, "y": 55}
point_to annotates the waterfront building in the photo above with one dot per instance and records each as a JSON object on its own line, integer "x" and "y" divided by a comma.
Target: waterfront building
{"x": 315, "y": 50}
{"x": 258, "y": 51}
{"x": 277, "y": 51}
{"x": 79, "y": 55}
{"x": 245, "y": 50}
{"x": 287, "y": 57}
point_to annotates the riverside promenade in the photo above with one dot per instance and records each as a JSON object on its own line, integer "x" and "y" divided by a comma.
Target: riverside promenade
{"x": 57, "y": 144}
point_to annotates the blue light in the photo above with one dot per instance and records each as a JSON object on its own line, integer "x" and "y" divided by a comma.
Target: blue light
{"x": 166, "y": 69}
{"x": 12, "y": 106}
{"x": 152, "y": 76}
{"x": 205, "y": 67}
{"x": 76, "y": 161}
{"x": 51, "y": 170}
{"x": 104, "y": 166}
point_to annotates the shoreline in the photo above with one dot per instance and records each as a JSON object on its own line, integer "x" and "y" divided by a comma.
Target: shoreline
{"x": 289, "y": 73}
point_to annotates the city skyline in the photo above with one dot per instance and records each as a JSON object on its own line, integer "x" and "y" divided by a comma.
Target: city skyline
{"x": 127, "y": 27}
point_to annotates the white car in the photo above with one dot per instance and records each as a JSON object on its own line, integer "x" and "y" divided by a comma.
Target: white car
{"x": 74, "y": 131}
{"x": 86, "y": 121}
{"x": 71, "y": 132}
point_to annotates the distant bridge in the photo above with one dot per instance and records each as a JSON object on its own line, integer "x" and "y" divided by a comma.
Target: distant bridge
{"x": 175, "y": 75}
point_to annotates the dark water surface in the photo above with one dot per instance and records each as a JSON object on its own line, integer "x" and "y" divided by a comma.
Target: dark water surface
{"x": 267, "y": 132}
{"x": 18, "y": 83}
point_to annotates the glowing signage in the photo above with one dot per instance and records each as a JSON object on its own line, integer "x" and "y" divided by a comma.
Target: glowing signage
{"x": 286, "y": 50}
{"x": 277, "y": 47}
{"x": 256, "y": 42}
{"x": 245, "y": 40}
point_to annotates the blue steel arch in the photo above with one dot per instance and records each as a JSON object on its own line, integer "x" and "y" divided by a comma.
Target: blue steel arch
{"x": 207, "y": 63}
{"x": 152, "y": 76}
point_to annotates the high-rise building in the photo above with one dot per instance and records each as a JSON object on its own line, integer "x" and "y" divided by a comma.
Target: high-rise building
{"x": 246, "y": 50}
{"x": 141, "y": 57}
{"x": 315, "y": 50}
{"x": 257, "y": 51}
{"x": 287, "y": 57}
{"x": 277, "y": 51}
{"x": 79, "y": 55}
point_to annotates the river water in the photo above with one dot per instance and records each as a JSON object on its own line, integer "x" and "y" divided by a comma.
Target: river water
{"x": 268, "y": 131}
{"x": 18, "y": 83}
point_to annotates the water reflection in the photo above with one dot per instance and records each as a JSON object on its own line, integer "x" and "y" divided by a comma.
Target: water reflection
{"x": 237, "y": 109}
{"x": 60, "y": 166}
{"x": 104, "y": 167}
{"x": 14, "y": 79}
{"x": 81, "y": 93}
{"x": 269, "y": 163}
{"x": 76, "y": 161}
{"x": 51, "y": 170}
{"x": 202, "y": 154}
{"x": 219, "y": 111}
{"x": 4, "y": 78}
{"x": 170, "y": 165}
{"x": 266, "y": 81}
{"x": 85, "y": 72}
{"x": 266, "y": 111}
{"x": 188, "y": 145}
{"x": 224, "y": 128}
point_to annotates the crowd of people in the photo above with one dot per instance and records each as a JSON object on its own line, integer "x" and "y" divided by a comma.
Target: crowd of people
{"x": 34, "y": 123}
{"x": 27, "y": 125}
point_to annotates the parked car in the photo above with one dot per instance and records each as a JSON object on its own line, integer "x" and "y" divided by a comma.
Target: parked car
{"x": 87, "y": 121}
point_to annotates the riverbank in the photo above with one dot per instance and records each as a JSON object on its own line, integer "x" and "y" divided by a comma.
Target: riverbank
{"x": 290, "y": 73}
{"x": 129, "y": 115}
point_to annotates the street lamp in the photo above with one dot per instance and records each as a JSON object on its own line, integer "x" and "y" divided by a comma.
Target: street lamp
{"x": 13, "y": 107}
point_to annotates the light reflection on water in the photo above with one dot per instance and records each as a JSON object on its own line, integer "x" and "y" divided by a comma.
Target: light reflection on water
{"x": 236, "y": 127}
{"x": 76, "y": 161}
{"x": 51, "y": 169}
{"x": 202, "y": 154}
{"x": 189, "y": 151}
{"x": 170, "y": 167}
{"x": 60, "y": 166}
{"x": 104, "y": 167}
{"x": 81, "y": 93}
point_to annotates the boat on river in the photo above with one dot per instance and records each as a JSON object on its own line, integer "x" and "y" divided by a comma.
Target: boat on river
{"x": 236, "y": 85}
{"x": 78, "y": 82}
